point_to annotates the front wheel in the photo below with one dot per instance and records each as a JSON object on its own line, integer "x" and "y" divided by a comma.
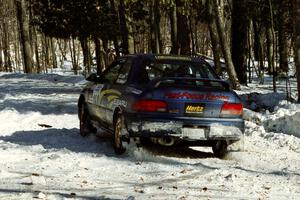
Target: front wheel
{"x": 220, "y": 149}
{"x": 117, "y": 137}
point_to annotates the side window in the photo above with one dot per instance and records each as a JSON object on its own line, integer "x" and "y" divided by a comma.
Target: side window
{"x": 124, "y": 72}
{"x": 111, "y": 74}
{"x": 206, "y": 72}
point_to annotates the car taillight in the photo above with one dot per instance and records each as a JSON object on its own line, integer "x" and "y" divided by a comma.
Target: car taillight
{"x": 232, "y": 109}
{"x": 146, "y": 105}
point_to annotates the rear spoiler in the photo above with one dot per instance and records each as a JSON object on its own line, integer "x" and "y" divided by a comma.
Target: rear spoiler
{"x": 157, "y": 82}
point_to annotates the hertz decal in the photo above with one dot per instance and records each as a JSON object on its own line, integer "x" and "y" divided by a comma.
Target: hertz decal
{"x": 197, "y": 109}
{"x": 194, "y": 109}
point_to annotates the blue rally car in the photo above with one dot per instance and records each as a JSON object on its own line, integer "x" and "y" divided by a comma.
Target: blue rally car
{"x": 169, "y": 99}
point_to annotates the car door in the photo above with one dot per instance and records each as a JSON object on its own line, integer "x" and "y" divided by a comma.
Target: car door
{"x": 116, "y": 95}
{"x": 102, "y": 92}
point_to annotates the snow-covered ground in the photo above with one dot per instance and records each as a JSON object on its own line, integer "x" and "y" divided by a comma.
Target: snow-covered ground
{"x": 42, "y": 155}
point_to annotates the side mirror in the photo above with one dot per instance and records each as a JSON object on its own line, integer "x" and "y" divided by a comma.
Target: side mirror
{"x": 93, "y": 77}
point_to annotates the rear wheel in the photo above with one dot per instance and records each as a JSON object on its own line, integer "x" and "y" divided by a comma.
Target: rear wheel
{"x": 220, "y": 149}
{"x": 117, "y": 137}
{"x": 85, "y": 124}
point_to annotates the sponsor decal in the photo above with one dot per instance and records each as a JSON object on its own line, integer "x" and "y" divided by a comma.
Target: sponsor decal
{"x": 133, "y": 90}
{"x": 117, "y": 102}
{"x": 105, "y": 97}
{"x": 173, "y": 58}
{"x": 109, "y": 92}
{"x": 194, "y": 108}
{"x": 187, "y": 95}
{"x": 96, "y": 92}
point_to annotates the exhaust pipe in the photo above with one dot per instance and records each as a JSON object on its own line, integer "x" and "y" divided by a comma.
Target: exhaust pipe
{"x": 166, "y": 141}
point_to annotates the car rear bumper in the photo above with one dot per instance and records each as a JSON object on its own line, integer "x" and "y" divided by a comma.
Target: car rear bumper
{"x": 186, "y": 128}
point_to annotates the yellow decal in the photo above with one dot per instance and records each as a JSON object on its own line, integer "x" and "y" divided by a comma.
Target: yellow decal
{"x": 111, "y": 100}
{"x": 110, "y": 92}
{"x": 194, "y": 109}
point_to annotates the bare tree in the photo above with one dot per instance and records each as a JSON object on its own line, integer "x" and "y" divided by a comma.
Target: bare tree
{"x": 127, "y": 39}
{"x": 214, "y": 37}
{"x": 239, "y": 27}
{"x": 174, "y": 32}
{"x": 270, "y": 45}
{"x": 182, "y": 25}
{"x": 225, "y": 45}
{"x": 283, "y": 39}
{"x": 23, "y": 21}
{"x": 155, "y": 27}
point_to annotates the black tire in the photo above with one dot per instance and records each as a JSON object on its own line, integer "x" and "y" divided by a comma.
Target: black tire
{"x": 85, "y": 125}
{"x": 220, "y": 149}
{"x": 117, "y": 136}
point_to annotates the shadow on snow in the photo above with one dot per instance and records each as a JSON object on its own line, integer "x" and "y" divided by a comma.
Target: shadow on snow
{"x": 57, "y": 139}
{"x": 100, "y": 143}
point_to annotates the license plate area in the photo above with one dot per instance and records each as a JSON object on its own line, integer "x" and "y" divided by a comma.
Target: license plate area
{"x": 194, "y": 109}
{"x": 193, "y": 133}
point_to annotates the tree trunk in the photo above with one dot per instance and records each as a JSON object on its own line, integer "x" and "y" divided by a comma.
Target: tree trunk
{"x": 191, "y": 25}
{"x": 174, "y": 33}
{"x": 98, "y": 54}
{"x": 296, "y": 17}
{"x": 131, "y": 49}
{"x": 1, "y": 58}
{"x": 73, "y": 55}
{"x": 62, "y": 46}
{"x": 46, "y": 53}
{"x": 225, "y": 46}
{"x": 17, "y": 52}
{"x": 271, "y": 46}
{"x": 155, "y": 27}
{"x": 127, "y": 39}
{"x": 213, "y": 32}
{"x": 24, "y": 32}
{"x": 258, "y": 38}
{"x": 6, "y": 48}
{"x": 53, "y": 52}
{"x": 86, "y": 55}
{"x": 239, "y": 27}
{"x": 270, "y": 49}
{"x": 115, "y": 39}
{"x": 283, "y": 35}
{"x": 36, "y": 49}
{"x": 182, "y": 25}
{"x": 214, "y": 38}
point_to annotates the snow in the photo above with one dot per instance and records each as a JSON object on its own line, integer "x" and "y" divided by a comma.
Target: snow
{"x": 42, "y": 155}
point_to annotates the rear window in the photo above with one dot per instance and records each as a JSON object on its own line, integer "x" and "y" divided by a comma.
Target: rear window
{"x": 174, "y": 68}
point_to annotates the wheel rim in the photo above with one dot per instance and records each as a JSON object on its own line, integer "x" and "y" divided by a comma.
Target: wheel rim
{"x": 82, "y": 117}
{"x": 118, "y": 129}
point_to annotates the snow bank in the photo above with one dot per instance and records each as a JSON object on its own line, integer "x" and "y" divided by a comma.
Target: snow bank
{"x": 286, "y": 119}
{"x": 258, "y": 101}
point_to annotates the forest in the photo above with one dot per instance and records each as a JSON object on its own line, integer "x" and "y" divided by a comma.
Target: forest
{"x": 251, "y": 37}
